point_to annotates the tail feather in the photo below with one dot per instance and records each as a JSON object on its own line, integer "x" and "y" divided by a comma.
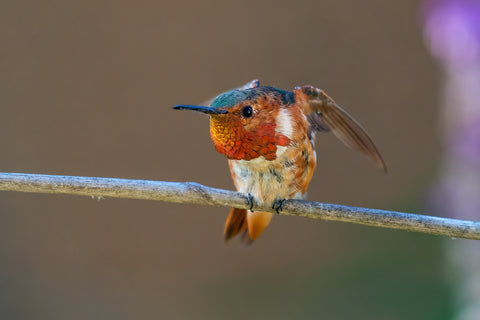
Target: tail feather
{"x": 257, "y": 222}
{"x": 236, "y": 223}
{"x": 251, "y": 224}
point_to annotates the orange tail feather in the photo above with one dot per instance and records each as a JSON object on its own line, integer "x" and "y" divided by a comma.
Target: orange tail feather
{"x": 251, "y": 224}
{"x": 257, "y": 222}
{"x": 236, "y": 223}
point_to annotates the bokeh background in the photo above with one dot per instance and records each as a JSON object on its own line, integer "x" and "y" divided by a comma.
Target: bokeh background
{"x": 87, "y": 88}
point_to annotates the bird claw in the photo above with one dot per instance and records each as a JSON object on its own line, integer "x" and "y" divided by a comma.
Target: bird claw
{"x": 250, "y": 201}
{"x": 278, "y": 205}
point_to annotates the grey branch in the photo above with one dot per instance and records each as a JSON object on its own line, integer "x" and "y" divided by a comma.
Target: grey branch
{"x": 190, "y": 192}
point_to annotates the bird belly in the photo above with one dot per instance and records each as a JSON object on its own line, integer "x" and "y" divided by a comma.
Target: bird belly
{"x": 268, "y": 181}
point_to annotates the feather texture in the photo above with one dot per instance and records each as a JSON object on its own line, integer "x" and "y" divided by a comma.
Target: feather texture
{"x": 322, "y": 113}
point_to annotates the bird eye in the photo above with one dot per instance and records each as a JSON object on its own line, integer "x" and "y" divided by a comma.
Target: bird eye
{"x": 247, "y": 111}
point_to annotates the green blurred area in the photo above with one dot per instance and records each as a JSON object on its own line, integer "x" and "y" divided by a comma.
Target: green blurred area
{"x": 398, "y": 277}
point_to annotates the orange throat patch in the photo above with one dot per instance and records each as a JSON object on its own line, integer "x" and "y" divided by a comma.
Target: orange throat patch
{"x": 231, "y": 139}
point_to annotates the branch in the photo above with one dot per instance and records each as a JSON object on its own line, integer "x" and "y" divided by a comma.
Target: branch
{"x": 190, "y": 192}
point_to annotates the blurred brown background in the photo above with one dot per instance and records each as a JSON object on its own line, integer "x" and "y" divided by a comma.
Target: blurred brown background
{"x": 86, "y": 88}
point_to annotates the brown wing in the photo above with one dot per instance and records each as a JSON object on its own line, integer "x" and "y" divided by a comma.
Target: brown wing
{"x": 323, "y": 114}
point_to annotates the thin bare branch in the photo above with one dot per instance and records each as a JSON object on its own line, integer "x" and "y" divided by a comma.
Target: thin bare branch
{"x": 190, "y": 192}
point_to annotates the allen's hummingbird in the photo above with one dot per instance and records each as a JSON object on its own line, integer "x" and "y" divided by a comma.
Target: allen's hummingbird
{"x": 268, "y": 136}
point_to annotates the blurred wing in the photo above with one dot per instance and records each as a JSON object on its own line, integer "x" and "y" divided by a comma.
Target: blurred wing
{"x": 252, "y": 84}
{"x": 325, "y": 115}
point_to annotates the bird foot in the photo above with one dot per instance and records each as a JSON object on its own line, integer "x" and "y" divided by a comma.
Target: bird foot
{"x": 250, "y": 201}
{"x": 278, "y": 205}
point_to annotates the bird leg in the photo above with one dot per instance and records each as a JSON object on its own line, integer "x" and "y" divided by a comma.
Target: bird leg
{"x": 278, "y": 205}
{"x": 250, "y": 201}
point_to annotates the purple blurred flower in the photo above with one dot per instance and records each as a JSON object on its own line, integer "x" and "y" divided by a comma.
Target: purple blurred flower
{"x": 452, "y": 29}
{"x": 465, "y": 143}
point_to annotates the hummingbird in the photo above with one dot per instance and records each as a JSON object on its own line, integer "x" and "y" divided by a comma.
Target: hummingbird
{"x": 268, "y": 134}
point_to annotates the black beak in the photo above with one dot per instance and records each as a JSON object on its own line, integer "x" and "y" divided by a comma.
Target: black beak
{"x": 207, "y": 110}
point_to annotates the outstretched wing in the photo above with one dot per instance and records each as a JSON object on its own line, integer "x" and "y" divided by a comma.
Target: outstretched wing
{"x": 252, "y": 84}
{"x": 325, "y": 115}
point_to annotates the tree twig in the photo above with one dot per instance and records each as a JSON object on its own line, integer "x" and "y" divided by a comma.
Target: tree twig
{"x": 190, "y": 192}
